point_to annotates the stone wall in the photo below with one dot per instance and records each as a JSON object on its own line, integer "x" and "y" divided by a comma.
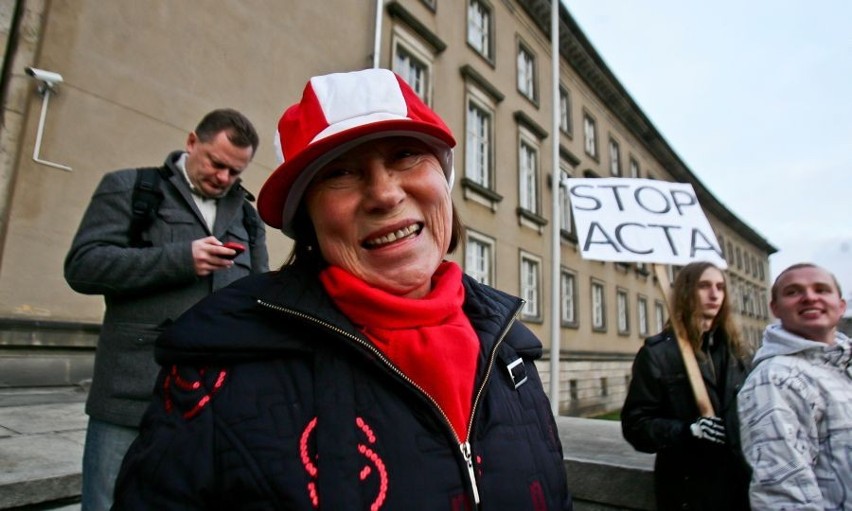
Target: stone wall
{"x": 604, "y": 471}
{"x": 589, "y": 387}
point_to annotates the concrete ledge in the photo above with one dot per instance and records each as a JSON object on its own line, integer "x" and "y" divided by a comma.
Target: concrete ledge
{"x": 41, "y": 451}
{"x": 45, "y": 367}
{"x": 604, "y": 471}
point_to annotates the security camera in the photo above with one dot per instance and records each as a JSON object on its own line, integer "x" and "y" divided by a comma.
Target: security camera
{"x": 48, "y": 77}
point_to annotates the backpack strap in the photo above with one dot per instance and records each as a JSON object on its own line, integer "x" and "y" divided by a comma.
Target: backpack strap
{"x": 144, "y": 204}
{"x": 250, "y": 221}
{"x": 147, "y": 197}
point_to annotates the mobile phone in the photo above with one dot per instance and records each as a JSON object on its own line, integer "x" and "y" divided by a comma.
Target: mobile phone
{"x": 238, "y": 247}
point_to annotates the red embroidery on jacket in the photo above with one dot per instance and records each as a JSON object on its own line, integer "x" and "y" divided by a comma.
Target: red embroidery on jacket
{"x": 460, "y": 502}
{"x": 376, "y": 464}
{"x": 537, "y": 496}
{"x": 181, "y": 384}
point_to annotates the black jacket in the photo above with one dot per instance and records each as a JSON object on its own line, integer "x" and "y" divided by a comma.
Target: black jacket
{"x": 659, "y": 408}
{"x": 270, "y": 399}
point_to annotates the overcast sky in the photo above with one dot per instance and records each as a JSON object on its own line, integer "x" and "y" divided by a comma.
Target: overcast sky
{"x": 755, "y": 97}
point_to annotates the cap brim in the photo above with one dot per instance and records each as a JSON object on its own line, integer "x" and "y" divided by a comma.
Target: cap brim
{"x": 282, "y": 192}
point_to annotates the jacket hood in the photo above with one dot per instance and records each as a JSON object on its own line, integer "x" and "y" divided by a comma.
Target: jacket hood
{"x": 777, "y": 341}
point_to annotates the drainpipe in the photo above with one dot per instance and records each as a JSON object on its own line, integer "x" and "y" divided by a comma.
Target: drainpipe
{"x": 11, "y": 49}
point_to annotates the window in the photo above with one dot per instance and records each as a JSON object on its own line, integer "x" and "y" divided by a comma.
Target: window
{"x": 604, "y": 387}
{"x": 479, "y": 27}
{"x": 569, "y": 298}
{"x": 528, "y": 176}
{"x": 530, "y": 275}
{"x": 614, "y": 158}
{"x": 479, "y": 258}
{"x": 526, "y": 73}
{"x": 412, "y": 60}
{"x": 747, "y": 263}
{"x": 572, "y": 390}
{"x": 478, "y": 146}
{"x": 622, "y": 311}
{"x": 739, "y": 258}
{"x": 598, "y": 307}
{"x": 729, "y": 258}
{"x": 659, "y": 315}
{"x": 634, "y": 168}
{"x": 413, "y": 71}
{"x": 749, "y": 300}
{"x": 590, "y": 136}
{"x": 566, "y": 222}
{"x": 564, "y": 110}
{"x": 642, "y": 311}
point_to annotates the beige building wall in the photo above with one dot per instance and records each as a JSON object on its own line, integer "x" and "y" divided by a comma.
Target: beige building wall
{"x": 139, "y": 75}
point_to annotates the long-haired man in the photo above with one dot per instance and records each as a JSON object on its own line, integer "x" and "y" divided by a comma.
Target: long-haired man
{"x": 698, "y": 464}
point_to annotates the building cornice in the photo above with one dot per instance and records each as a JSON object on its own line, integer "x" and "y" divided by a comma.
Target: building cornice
{"x": 396, "y": 10}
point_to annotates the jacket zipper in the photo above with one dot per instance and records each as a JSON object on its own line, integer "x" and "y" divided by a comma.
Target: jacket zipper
{"x": 464, "y": 447}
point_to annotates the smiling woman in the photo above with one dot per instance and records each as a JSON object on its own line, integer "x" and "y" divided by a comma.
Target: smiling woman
{"x": 383, "y": 213}
{"x": 369, "y": 372}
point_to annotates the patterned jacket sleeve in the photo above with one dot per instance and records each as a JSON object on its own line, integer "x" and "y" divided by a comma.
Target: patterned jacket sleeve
{"x": 778, "y": 430}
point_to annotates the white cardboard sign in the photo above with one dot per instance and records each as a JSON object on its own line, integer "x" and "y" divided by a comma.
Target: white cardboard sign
{"x": 641, "y": 220}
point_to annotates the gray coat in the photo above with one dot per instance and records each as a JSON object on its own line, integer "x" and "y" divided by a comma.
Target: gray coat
{"x": 144, "y": 288}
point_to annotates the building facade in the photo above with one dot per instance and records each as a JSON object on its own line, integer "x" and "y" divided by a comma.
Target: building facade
{"x": 137, "y": 76}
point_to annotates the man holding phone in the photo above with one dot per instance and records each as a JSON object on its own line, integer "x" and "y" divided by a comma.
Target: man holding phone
{"x": 154, "y": 242}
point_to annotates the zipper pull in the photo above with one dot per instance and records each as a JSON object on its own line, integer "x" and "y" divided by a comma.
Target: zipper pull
{"x": 468, "y": 458}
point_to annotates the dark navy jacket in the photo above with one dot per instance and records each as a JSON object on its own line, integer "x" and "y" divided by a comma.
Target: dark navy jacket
{"x": 269, "y": 398}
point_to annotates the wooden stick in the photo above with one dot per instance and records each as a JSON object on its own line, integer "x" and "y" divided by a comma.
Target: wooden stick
{"x": 699, "y": 390}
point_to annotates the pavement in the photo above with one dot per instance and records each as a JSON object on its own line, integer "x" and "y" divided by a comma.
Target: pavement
{"x": 42, "y": 430}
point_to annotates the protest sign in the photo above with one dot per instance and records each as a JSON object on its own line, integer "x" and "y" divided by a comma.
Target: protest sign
{"x": 647, "y": 221}
{"x": 641, "y": 220}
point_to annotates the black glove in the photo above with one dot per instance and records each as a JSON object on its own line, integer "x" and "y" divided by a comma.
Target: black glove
{"x": 711, "y": 429}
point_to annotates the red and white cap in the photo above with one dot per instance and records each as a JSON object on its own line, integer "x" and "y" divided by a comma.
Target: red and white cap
{"x": 338, "y": 112}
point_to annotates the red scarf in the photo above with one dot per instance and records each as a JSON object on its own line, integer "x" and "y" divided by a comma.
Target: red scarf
{"x": 429, "y": 339}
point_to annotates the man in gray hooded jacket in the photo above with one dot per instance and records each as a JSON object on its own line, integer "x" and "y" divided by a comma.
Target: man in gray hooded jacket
{"x": 795, "y": 407}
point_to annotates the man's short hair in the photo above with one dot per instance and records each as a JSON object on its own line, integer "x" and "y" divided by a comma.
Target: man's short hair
{"x": 240, "y": 130}
{"x": 799, "y": 266}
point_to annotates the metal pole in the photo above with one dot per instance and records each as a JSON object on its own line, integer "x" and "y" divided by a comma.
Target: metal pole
{"x": 377, "y": 42}
{"x": 556, "y": 181}
{"x": 40, "y": 131}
